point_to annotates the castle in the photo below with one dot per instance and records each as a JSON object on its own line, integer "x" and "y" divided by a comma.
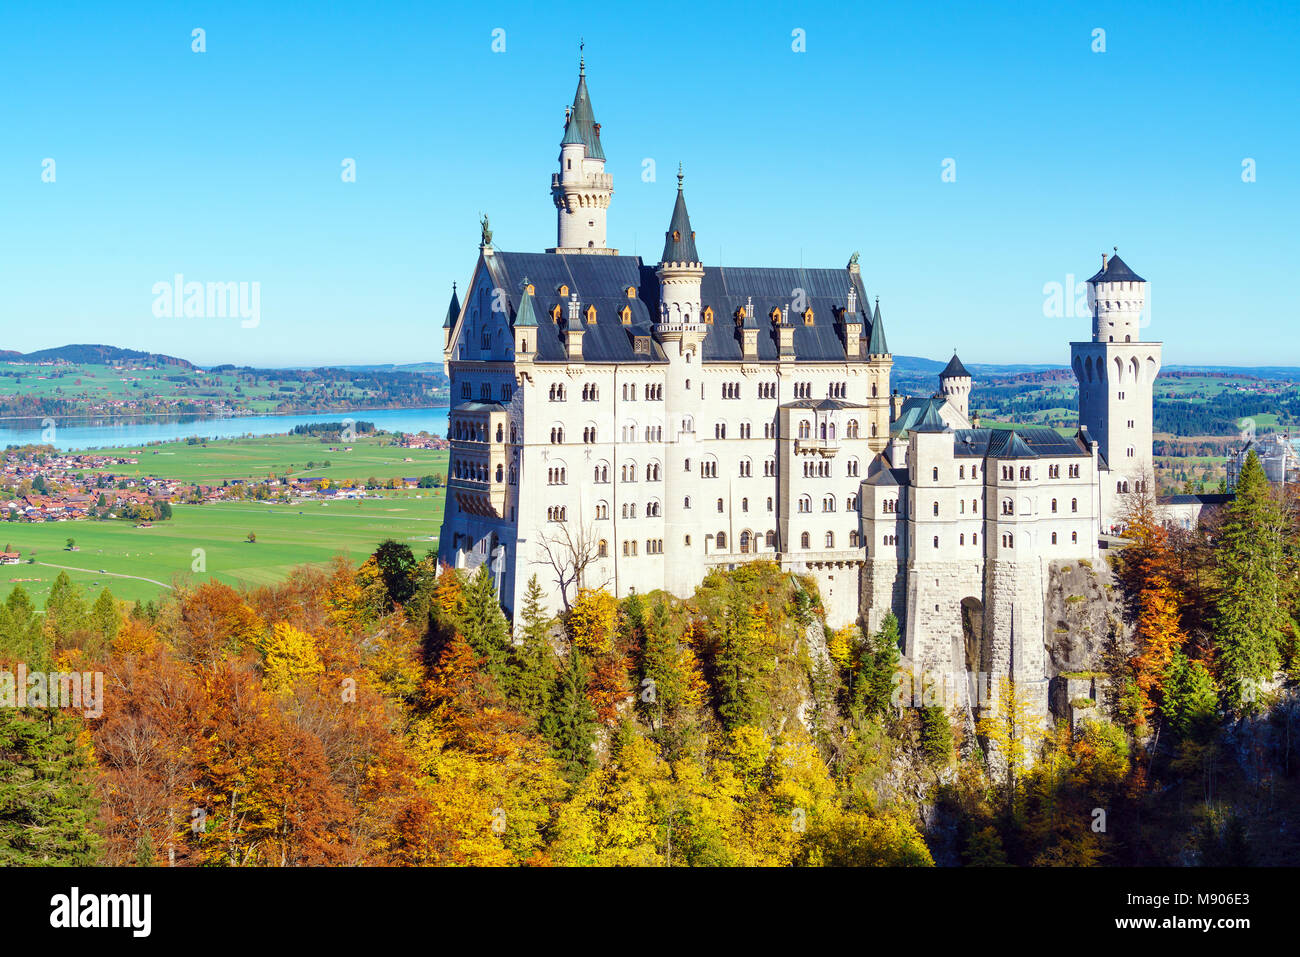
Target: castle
{"x": 632, "y": 425}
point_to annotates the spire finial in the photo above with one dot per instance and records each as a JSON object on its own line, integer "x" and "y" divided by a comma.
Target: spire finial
{"x": 679, "y": 177}
{"x": 582, "y": 60}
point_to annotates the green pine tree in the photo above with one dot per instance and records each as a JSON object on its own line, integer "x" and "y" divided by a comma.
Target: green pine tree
{"x": 484, "y": 626}
{"x": 874, "y": 688}
{"x": 533, "y": 662}
{"x": 105, "y": 617}
{"x": 47, "y": 802}
{"x": 570, "y": 724}
{"x": 1248, "y": 617}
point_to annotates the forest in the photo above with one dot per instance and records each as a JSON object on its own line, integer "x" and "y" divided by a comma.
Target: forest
{"x": 389, "y": 714}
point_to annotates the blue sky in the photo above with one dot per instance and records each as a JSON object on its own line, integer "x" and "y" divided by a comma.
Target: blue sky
{"x": 225, "y": 165}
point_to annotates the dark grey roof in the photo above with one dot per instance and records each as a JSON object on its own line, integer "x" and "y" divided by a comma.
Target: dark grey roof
{"x": 1021, "y": 442}
{"x": 599, "y": 281}
{"x": 1116, "y": 270}
{"x": 603, "y": 281}
{"x": 581, "y": 127}
{"x": 679, "y": 240}
{"x": 478, "y": 407}
{"x": 889, "y": 477}
{"x": 954, "y": 369}
{"x": 453, "y": 310}
{"x": 1204, "y": 498}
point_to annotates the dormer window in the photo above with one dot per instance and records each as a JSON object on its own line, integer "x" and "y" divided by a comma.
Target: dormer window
{"x": 808, "y": 317}
{"x": 563, "y": 290}
{"x": 641, "y": 345}
{"x": 626, "y": 315}
{"x": 529, "y": 289}
{"x": 631, "y": 292}
{"x": 708, "y": 314}
{"x": 591, "y": 313}
{"x": 555, "y": 313}
{"x": 776, "y": 315}
{"x": 677, "y": 236}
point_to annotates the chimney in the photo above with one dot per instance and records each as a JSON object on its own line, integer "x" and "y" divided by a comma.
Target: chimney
{"x": 1103, "y": 262}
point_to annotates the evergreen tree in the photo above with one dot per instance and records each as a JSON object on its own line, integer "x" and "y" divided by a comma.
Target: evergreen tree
{"x": 533, "y": 664}
{"x": 396, "y": 564}
{"x": 570, "y": 724}
{"x": 47, "y": 802}
{"x": 1248, "y": 617}
{"x": 740, "y": 663}
{"x": 65, "y": 609}
{"x": 874, "y": 689}
{"x": 104, "y": 614}
{"x": 484, "y": 626}
{"x": 1190, "y": 703}
{"x": 936, "y": 735}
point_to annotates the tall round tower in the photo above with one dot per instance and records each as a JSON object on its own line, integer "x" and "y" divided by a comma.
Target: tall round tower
{"x": 581, "y": 189}
{"x": 955, "y": 385}
{"x": 681, "y": 331}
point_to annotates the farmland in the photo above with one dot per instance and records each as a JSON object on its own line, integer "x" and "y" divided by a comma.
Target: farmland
{"x": 302, "y": 532}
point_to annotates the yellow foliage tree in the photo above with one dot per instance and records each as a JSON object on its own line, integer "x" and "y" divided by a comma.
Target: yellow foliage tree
{"x": 289, "y": 655}
{"x": 591, "y": 621}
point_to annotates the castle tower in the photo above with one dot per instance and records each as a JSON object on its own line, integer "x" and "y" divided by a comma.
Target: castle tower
{"x": 453, "y": 314}
{"x": 1116, "y": 373}
{"x": 955, "y": 385}
{"x": 879, "y": 364}
{"x": 681, "y": 331}
{"x": 581, "y": 189}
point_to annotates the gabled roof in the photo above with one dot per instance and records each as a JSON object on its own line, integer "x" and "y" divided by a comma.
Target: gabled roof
{"x": 1032, "y": 441}
{"x": 914, "y": 410}
{"x": 954, "y": 369}
{"x": 877, "y": 346}
{"x": 453, "y": 310}
{"x": 822, "y": 405}
{"x": 889, "y": 477}
{"x": 679, "y": 240}
{"x": 1116, "y": 270}
{"x": 581, "y": 127}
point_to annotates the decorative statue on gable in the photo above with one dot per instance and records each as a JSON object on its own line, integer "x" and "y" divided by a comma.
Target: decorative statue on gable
{"x": 853, "y": 260}
{"x": 487, "y": 232}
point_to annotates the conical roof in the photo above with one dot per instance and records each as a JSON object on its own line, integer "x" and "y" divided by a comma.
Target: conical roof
{"x": 581, "y": 127}
{"x": 877, "y": 345}
{"x": 453, "y": 310}
{"x": 954, "y": 369}
{"x": 1116, "y": 270}
{"x": 679, "y": 241}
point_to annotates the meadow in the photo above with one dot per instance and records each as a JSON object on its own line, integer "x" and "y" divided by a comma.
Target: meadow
{"x": 218, "y": 460}
{"x": 143, "y": 563}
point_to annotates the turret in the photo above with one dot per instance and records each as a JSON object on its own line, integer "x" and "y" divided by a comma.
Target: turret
{"x": 453, "y": 313}
{"x": 526, "y": 325}
{"x": 879, "y": 365}
{"x": 581, "y": 189}
{"x": 680, "y": 271}
{"x": 1117, "y": 295}
{"x": 955, "y": 385}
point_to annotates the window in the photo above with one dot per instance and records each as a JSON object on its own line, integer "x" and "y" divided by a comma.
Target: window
{"x": 852, "y": 468}
{"x": 720, "y": 506}
{"x": 744, "y": 542}
{"x": 1074, "y": 505}
{"x": 602, "y": 549}
{"x": 1074, "y": 538}
{"x": 961, "y": 539}
{"x": 686, "y": 503}
{"x": 853, "y": 539}
{"x": 769, "y": 503}
{"x": 590, "y": 392}
{"x": 805, "y": 429}
{"x": 600, "y": 475}
{"x": 721, "y": 539}
{"x": 746, "y": 468}
{"x": 935, "y": 472}
{"x": 936, "y": 541}
{"x": 557, "y": 435}
{"x": 720, "y": 430}
{"x": 828, "y": 503}
{"x": 830, "y": 539}
{"x": 770, "y": 539}
{"x": 936, "y": 508}
{"x": 602, "y": 510}
{"x": 554, "y": 476}
{"x": 1053, "y": 505}
{"x": 1008, "y": 507}
{"x": 557, "y": 392}
{"x": 851, "y": 430}
{"x": 589, "y": 434}
{"x": 851, "y": 503}
{"x": 709, "y": 468}
{"x": 805, "y": 540}
{"x": 805, "y": 503}
{"x": 769, "y": 468}
{"x": 1053, "y": 538}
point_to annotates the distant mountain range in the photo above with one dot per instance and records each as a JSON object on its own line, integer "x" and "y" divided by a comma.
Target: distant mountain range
{"x": 914, "y": 365}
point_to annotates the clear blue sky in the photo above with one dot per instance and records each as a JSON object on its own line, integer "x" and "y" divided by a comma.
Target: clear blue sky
{"x": 226, "y": 165}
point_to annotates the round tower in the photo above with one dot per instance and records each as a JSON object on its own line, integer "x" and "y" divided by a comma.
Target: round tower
{"x": 581, "y": 189}
{"x": 955, "y": 385}
{"x": 681, "y": 332}
{"x": 1117, "y": 295}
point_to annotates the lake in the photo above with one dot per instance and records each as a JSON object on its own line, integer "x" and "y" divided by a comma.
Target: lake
{"x": 77, "y": 434}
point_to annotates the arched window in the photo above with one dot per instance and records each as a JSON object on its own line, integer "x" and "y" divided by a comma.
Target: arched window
{"x": 744, "y": 543}
{"x": 721, "y": 540}
{"x": 1074, "y": 505}
{"x": 770, "y": 539}
{"x": 830, "y": 539}
{"x": 602, "y": 549}
{"x": 805, "y": 540}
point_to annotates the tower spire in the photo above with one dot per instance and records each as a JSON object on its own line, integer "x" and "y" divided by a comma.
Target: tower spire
{"x": 581, "y": 190}
{"x": 679, "y": 240}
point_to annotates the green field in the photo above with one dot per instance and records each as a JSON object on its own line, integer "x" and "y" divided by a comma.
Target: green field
{"x": 212, "y": 462}
{"x": 287, "y": 536}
